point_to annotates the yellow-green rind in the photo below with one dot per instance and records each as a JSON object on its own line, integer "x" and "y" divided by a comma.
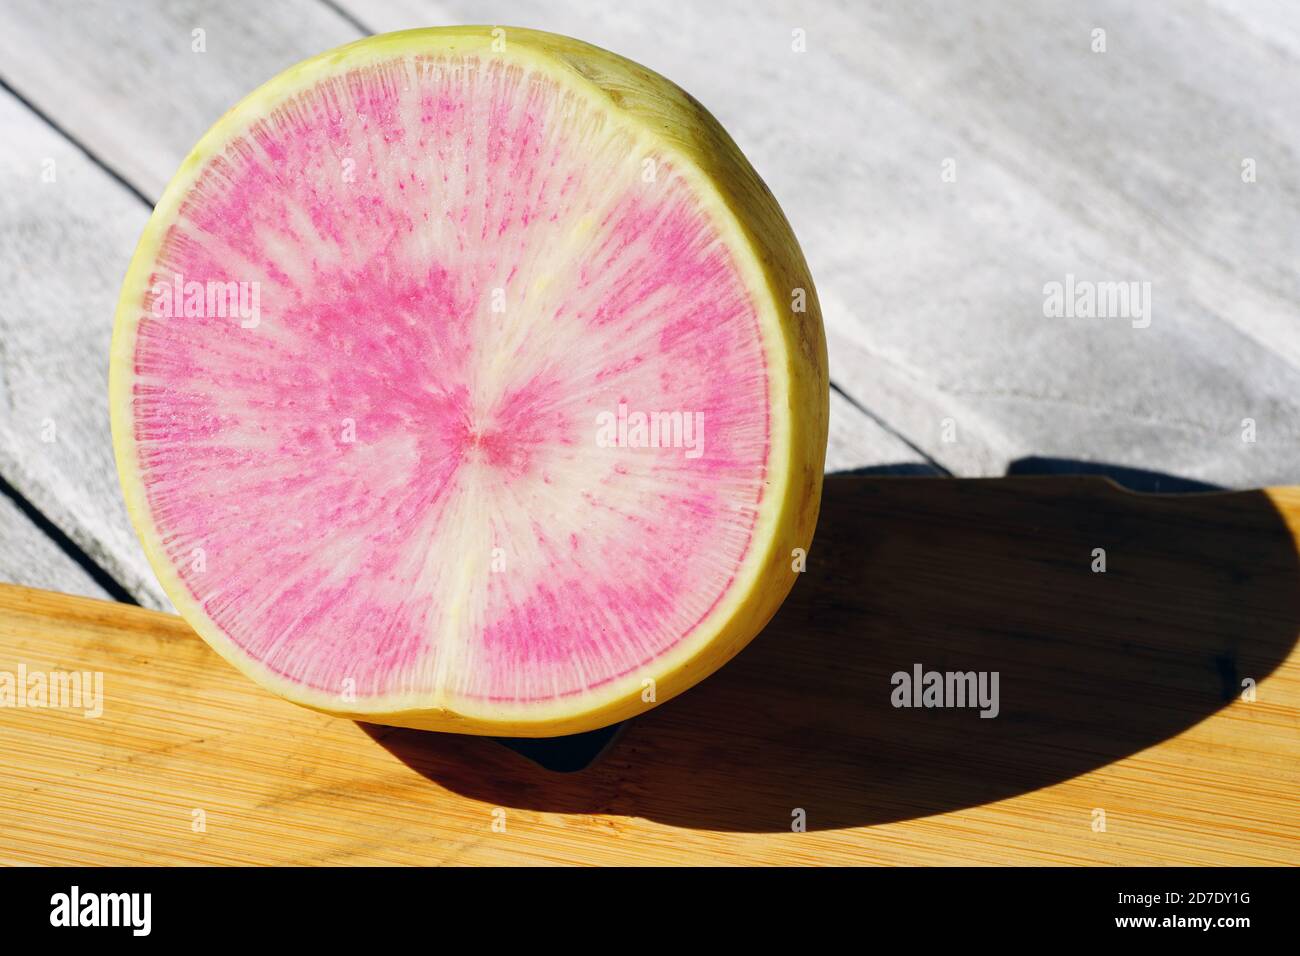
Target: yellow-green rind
{"x": 766, "y": 252}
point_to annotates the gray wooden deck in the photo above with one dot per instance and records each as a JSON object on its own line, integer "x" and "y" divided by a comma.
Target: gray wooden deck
{"x": 1123, "y": 165}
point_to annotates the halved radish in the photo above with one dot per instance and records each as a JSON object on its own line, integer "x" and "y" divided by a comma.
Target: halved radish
{"x": 391, "y": 361}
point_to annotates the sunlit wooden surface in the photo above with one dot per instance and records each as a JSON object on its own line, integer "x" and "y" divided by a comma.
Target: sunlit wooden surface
{"x": 1120, "y": 695}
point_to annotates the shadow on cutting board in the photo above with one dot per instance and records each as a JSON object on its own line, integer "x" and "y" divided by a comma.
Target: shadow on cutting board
{"x": 1200, "y": 592}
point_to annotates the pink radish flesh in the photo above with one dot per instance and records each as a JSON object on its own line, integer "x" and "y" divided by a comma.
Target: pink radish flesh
{"x": 394, "y": 478}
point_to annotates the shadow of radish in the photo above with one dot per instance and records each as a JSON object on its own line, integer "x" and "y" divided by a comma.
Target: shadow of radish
{"x": 1200, "y": 592}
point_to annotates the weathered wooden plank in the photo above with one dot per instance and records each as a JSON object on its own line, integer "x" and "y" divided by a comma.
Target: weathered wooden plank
{"x": 69, "y": 230}
{"x": 856, "y": 442}
{"x": 1123, "y": 165}
{"x": 135, "y": 82}
{"x": 1276, "y": 22}
{"x": 28, "y": 556}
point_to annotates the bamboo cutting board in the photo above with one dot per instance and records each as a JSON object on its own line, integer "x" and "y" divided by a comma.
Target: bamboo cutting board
{"x": 1122, "y": 738}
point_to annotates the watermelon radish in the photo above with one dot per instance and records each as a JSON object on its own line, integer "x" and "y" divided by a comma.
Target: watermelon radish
{"x": 470, "y": 379}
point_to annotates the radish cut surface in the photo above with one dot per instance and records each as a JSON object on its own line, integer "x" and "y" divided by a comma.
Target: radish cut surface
{"x": 465, "y": 385}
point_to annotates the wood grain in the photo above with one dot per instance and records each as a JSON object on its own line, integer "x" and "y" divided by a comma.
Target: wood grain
{"x": 1120, "y": 692}
{"x": 28, "y": 556}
